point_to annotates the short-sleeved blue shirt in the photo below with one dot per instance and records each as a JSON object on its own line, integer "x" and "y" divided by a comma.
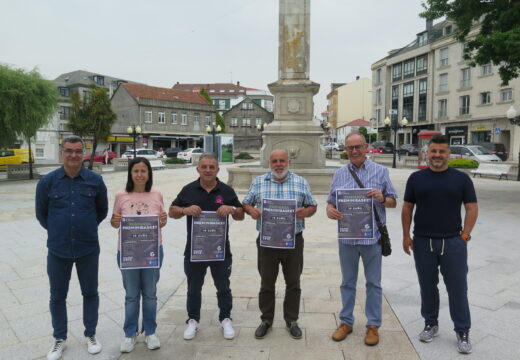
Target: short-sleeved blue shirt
{"x": 438, "y": 197}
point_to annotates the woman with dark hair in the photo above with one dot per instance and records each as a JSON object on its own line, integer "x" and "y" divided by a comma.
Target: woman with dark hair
{"x": 139, "y": 198}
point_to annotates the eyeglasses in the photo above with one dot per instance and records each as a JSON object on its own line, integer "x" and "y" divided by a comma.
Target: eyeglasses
{"x": 354, "y": 147}
{"x": 72, "y": 151}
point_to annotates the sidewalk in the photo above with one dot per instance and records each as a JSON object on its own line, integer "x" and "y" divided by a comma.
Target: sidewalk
{"x": 494, "y": 288}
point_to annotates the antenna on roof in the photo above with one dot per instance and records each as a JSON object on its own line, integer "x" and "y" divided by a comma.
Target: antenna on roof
{"x": 231, "y": 77}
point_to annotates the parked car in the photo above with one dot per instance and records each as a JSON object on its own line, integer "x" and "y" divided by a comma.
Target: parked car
{"x": 9, "y": 157}
{"x": 496, "y": 148}
{"x": 332, "y": 146}
{"x": 144, "y": 153}
{"x": 385, "y": 146}
{"x": 187, "y": 154}
{"x": 373, "y": 150}
{"x": 99, "y": 156}
{"x": 172, "y": 152}
{"x": 408, "y": 149}
{"x": 473, "y": 152}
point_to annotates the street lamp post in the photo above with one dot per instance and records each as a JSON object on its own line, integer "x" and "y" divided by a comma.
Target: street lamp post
{"x": 514, "y": 120}
{"x": 213, "y": 130}
{"x": 394, "y": 126}
{"x": 134, "y": 131}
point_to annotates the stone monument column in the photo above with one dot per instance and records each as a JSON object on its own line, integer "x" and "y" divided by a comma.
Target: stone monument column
{"x": 293, "y": 128}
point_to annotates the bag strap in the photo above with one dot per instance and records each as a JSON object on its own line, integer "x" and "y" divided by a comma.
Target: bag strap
{"x": 360, "y": 184}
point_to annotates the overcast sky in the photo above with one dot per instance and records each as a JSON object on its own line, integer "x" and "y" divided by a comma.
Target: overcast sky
{"x": 160, "y": 42}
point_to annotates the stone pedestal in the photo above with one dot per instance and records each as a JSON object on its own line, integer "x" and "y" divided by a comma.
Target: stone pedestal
{"x": 293, "y": 128}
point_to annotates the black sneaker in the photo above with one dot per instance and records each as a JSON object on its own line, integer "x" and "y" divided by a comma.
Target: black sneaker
{"x": 295, "y": 330}
{"x": 261, "y": 331}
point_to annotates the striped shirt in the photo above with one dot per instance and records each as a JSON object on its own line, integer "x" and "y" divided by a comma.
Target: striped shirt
{"x": 292, "y": 187}
{"x": 373, "y": 176}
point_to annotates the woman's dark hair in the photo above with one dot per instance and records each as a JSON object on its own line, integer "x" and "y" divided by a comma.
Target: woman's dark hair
{"x": 130, "y": 182}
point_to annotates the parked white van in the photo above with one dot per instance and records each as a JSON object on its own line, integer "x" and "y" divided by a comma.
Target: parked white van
{"x": 472, "y": 152}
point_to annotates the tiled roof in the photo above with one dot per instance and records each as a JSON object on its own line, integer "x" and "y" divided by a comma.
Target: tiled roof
{"x": 228, "y": 88}
{"x": 152, "y": 92}
{"x": 358, "y": 122}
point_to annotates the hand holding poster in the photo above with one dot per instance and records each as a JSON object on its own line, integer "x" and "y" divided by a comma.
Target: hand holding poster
{"x": 358, "y": 214}
{"x": 208, "y": 237}
{"x": 139, "y": 237}
{"x": 278, "y": 223}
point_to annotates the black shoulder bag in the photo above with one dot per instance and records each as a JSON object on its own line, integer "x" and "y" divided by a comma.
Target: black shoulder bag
{"x": 386, "y": 247}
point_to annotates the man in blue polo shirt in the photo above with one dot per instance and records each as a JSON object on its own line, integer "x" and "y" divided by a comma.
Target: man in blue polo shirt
{"x": 70, "y": 204}
{"x": 280, "y": 183}
{"x": 440, "y": 240}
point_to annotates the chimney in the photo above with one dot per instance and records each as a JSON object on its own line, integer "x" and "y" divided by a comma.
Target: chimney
{"x": 429, "y": 25}
{"x": 238, "y": 83}
{"x": 357, "y": 77}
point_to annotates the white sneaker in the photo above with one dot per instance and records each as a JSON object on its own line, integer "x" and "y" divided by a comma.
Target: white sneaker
{"x": 152, "y": 342}
{"x": 227, "y": 329}
{"x": 191, "y": 329}
{"x": 128, "y": 344}
{"x": 56, "y": 350}
{"x": 93, "y": 345}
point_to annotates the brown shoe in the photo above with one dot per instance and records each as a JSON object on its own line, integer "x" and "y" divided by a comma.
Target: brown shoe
{"x": 341, "y": 332}
{"x": 372, "y": 337}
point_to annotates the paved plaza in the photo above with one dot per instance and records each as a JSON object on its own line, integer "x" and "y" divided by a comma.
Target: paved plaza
{"x": 494, "y": 287}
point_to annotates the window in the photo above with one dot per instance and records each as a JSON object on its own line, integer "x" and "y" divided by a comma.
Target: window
{"x": 160, "y": 118}
{"x": 485, "y": 70}
{"x": 196, "y": 121}
{"x": 379, "y": 80}
{"x": 464, "y": 47}
{"x": 408, "y": 90}
{"x": 147, "y": 116}
{"x": 409, "y": 68}
{"x": 174, "y": 118}
{"x": 234, "y": 122}
{"x": 506, "y": 95}
{"x": 422, "y": 65}
{"x": 184, "y": 119}
{"x": 443, "y": 108}
{"x": 378, "y": 97}
{"x": 258, "y": 121}
{"x": 39, "y": 153}
{"x": 396, "y": 72}
{"x": 423, "y": 88}
{"x": 447, "y": 30}
{"x": 221, "y": 104}
{"x": 443, "y": 57}
{"x": 443, "y": 82}
{"x": 395, "y": 97}
{"x": 64, "y": 91}
{"x": 64, "y": 112}
{"x": 422, "y": 39}
{"x": 247, "y": 106}
{"x": 208, "y": 119}
{"x": 212, "y": 90}
{"x": 465, "y": 78}
{"x": 464, "y": 105}
{"x": 246, "y": 122}
{"x": 98, "y": 79}
{"x": 485, "y": 98}
{"x": 86, "y": 94}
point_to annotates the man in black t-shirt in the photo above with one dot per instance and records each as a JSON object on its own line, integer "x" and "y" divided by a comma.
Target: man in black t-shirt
{"x": 207, "y": 193}
{"x": 440, "y": 240}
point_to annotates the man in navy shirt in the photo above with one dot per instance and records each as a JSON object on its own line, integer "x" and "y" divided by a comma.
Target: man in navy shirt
{"x": 440, "y": 240}
{"x": 207, "y": 193}
{"x": 70, "y": 204}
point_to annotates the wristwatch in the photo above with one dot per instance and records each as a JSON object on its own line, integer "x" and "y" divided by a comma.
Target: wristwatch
{"x": 466, "y": 237}
{"x": 233, "y": 209}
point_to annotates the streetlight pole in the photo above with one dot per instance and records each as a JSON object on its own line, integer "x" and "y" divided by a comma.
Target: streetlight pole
{"x": 213, "y": 130}
{"x": 134, "y": 131}
{"x": 514, "y": 120}
{"x": 394, "y": 125}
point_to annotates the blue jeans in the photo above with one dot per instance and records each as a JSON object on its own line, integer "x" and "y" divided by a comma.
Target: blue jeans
{"x": 59, "y": 271}
{"x": 140, "y": 283}
{"x": 451, "y": 255}
{"x": 349, "y": 261}
{"x": 195, "y": 273}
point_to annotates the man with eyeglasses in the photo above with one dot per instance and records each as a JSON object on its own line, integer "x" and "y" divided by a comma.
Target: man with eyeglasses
{"x": 70, "y": 204}
{"x": 374, "y": 177}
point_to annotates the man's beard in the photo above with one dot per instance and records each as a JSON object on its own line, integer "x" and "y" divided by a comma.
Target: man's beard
{"x": 278, "y": 176}
{"x": 437, "y": 164}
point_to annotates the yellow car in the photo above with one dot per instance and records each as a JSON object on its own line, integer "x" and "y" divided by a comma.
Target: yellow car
{"x": 9, "y": 157}
{"x": 24, "y": 154}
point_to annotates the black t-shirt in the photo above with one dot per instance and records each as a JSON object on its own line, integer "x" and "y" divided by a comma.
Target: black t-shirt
{"x": 194, "y": 194}
{"x": 438, "y": 197}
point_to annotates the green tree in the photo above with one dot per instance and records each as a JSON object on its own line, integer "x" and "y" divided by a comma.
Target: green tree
{"x": 498, "y": 39}
{"x": 220, "y": 119}
{"x": 92, "y": 116}
{"x": 27, "y": 102}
